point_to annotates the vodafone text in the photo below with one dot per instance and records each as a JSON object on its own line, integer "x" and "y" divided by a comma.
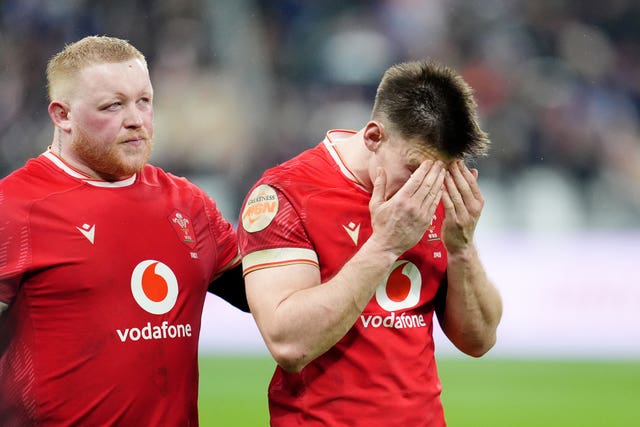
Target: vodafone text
{"x": 148, "y": 332}
{"x": 393, "y": 321}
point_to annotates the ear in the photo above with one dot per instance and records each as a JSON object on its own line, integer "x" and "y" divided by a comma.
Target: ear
{"x": 374, "y": 134}
{"x": 60, "y": 115}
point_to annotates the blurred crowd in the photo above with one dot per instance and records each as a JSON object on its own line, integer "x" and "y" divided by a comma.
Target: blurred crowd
{"x": 244, "y": 84}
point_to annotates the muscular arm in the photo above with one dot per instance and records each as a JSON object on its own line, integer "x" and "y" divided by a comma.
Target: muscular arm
{"x": 473, "y": 306}
{"x": 300, "y": 320}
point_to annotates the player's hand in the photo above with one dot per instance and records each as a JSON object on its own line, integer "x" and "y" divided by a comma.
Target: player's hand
{"x": 400, "y": 222}
{"x": 463, "y": 203}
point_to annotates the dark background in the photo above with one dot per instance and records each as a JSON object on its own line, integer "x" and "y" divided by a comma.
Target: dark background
{"x": 242, "y": 85}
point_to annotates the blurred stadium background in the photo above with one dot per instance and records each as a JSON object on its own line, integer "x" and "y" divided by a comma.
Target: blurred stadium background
{"x": 244, "y": 84}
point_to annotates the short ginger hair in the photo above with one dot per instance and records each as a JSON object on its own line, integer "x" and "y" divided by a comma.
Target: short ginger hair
{"x": 66, "y": 64}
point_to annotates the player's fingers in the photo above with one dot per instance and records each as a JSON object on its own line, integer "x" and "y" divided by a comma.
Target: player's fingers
{"x": 378, "y": 193}
{"x": 435, "y": 201}
{"x": 453, "y": 194}
{"x": 433, "y": 191}
{"x": 473, "y": 184}
{"x": 471, "y": 193}
{"x": 470, "y": 200}
{"x": 449, "y": 208}
{"x": 415, "y": 181}
{"x": 471, "y": 178}
{"x": 427, "y": 190}
{"x": 463, "y": 180}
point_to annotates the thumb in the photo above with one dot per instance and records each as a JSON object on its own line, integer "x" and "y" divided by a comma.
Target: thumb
{"x": 379, "y": 185}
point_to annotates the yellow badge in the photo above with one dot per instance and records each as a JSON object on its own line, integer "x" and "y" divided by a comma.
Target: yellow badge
{"x": 260, "y": 209}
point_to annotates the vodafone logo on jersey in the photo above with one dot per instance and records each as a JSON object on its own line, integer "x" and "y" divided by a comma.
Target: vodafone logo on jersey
{"x": 400, "y": 290}
{"x": 154, "y": 286}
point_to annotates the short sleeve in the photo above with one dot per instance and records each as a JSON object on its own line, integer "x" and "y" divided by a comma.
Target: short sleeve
{"x": 271, "y": 231}
{"x": 225, "y": 237}
{"x": 14, "y": 249}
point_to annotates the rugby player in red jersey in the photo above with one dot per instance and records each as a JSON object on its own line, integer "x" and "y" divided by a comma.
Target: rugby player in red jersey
{"x": 351, "y": 247}
{"x": 105, "y": 260}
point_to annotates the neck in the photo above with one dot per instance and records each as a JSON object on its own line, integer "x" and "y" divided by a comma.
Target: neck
{"x": 355, "y": 156}
{"x": 56, "y": 145}
{"x": 62, "y": 151}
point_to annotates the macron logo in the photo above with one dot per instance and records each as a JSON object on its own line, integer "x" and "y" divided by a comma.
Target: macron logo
{"x": 352, "y": 230}
{"x": 88, "y": 231}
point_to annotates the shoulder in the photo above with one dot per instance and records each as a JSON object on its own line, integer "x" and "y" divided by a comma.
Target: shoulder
{"x": 33, "y": 169}
{"x": 37, "y": 179}
{"x": 157, "y": 176}
{"x": 304, "y": 172}
{"x": 180, "y": 190}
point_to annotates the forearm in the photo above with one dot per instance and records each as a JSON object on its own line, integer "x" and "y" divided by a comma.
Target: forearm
{"x": 310, "y": 321}
{"x": 473, "y": 305}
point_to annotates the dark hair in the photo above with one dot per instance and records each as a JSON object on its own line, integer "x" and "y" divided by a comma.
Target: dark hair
{"x": 432, "y": 102}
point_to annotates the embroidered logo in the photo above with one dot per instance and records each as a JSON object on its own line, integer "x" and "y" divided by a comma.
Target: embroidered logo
{"x": 183, "y": 228}
{"x": 260, "y": 209}
{"x": 88, "y": 231}
{"x": 432, "y": 234}
{"x": 352, "y": 230}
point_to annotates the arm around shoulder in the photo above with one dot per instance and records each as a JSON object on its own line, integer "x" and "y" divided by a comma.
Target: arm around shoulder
{"x": 230, "y": 287}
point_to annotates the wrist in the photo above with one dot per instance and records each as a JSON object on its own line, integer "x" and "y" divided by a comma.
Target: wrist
{"x": 464, "y": 253}
{"x": 380, "y": 251}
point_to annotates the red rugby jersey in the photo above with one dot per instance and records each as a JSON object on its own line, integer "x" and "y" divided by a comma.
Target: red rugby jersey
{"x": 382, "y": 373}
{"x": 105, "y": 284}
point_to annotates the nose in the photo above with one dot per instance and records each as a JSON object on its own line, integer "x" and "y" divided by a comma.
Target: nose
{"x": 133, "y": 117}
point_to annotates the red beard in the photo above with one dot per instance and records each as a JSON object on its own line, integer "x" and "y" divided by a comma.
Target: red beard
{"x": 115, "y": 161}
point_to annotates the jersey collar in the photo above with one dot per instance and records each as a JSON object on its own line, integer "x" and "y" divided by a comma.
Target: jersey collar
{"x": 329, "y": 141}
{"x": 79, "y": 175}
